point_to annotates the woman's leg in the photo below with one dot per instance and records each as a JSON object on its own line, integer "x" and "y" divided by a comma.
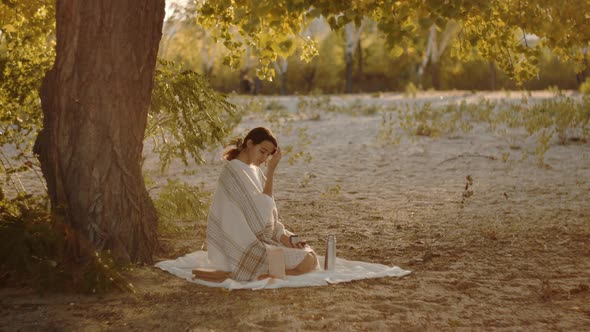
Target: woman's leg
{"x": 211, "y": 275}
{"x": 308, "y": 264}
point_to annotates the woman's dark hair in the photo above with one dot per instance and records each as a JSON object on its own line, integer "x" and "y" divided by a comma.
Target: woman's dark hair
{"x": 257, "y": 135}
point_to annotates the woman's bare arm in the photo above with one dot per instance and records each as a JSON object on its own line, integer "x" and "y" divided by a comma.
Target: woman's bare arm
{"x": 270, "y": 173}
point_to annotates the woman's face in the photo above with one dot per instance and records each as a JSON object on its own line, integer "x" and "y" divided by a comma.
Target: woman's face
{"x": 259, "y": 153}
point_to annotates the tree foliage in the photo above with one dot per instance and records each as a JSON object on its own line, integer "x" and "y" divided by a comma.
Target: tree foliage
{"x": 494, "y": 28}
{"x": 186, "y": 116}
{"x": 27, "y": 51}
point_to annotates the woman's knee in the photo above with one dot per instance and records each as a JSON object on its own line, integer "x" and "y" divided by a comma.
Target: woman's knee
{"x": 309, "y": 263}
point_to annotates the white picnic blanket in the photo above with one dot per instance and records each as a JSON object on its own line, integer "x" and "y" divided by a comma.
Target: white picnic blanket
{"x": 345, "y": 271}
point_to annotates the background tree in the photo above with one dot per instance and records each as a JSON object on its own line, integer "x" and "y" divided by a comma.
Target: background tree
{"x": 435, "y": 49}
{"x": 353, "y": 42}
{"x": 281, "y": 66}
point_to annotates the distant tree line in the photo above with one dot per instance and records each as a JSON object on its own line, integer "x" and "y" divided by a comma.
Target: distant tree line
{"x": 357, "y": 59}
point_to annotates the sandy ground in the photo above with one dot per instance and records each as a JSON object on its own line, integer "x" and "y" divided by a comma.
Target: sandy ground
{"x": 513, "y": 256}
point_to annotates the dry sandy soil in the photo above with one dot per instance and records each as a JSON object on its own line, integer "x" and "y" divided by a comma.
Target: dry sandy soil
{"x": 513, "y": 256}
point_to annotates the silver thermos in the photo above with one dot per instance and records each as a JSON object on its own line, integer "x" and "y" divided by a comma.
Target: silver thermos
{"x": 330, "y": 260}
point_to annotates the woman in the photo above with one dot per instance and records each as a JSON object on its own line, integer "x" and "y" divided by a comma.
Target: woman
{"x": 243, "y": 225}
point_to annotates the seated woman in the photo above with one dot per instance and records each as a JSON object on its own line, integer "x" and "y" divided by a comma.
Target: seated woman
{"x": 243, "y": 225}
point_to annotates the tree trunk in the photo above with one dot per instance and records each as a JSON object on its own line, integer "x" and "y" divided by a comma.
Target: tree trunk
{"x": 435, "y": 75}
{"x": 283, "y": 83}
{"x": 207, "y": 70}
{"x": 353, "y": 34}
{"x": 309, "y": 76}
{"x": 492, "y": 75}
{"x": 581, "y": 76}
{"x": 95, "y": 102}
{"x": 349, "y": 65}
{"x": 281, "y": 65}
{"x": 359, "y": 52}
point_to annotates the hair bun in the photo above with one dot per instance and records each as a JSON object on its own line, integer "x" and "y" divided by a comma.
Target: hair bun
{"x": 237, "y": 141}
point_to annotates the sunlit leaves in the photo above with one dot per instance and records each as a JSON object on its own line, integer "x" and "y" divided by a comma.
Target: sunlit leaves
{"x": 396, "y": 51}
{"x": 27, "y": 51}
{"x": 186, "y": 116}
{"x": 489, "y": 27}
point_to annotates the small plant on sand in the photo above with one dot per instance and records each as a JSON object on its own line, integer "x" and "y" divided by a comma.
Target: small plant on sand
{"x": 358, "y": 108}
{"x": 299, "y": 151}
{"x": 561, "y": 116}
{"x": 250, "y": 105}
{"x": 567, "y": 116}
{"x": 309, "y": 108}
{"x": 275, "y": 106}
{"x": 518, "y": 123}
{"x": 331, "y": 192}
{"x": 507, "y": 122}
{"x": 387, "y": 134}
{"x": 280, "y": 120}
{"x": 585, "y": 87}
{"x": 370, "y": 109}
{"x": 420, "y": 121}
{"x": 411, "y": 90}
{"x": 307, "y": 177}
{"x": 272, "y": 112}
{"x": 468, "y": 190}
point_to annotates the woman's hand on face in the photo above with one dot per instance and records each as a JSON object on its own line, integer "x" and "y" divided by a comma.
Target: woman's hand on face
{"x": 274, "y": 160}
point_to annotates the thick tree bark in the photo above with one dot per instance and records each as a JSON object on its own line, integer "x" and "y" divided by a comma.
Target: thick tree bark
{"x": 95, "y": 102}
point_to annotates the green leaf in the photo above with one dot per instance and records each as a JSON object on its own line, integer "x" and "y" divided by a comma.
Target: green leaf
{"x": 9, "y": 28}
{"x": 396, "y": 51}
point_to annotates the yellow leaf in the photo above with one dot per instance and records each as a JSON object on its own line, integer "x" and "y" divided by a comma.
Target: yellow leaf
{"x": 9, "y": 28}
{"x": 396, "y": 51}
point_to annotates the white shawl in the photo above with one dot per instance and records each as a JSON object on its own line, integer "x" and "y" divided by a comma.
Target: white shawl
{"x": 242, "y": 222}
